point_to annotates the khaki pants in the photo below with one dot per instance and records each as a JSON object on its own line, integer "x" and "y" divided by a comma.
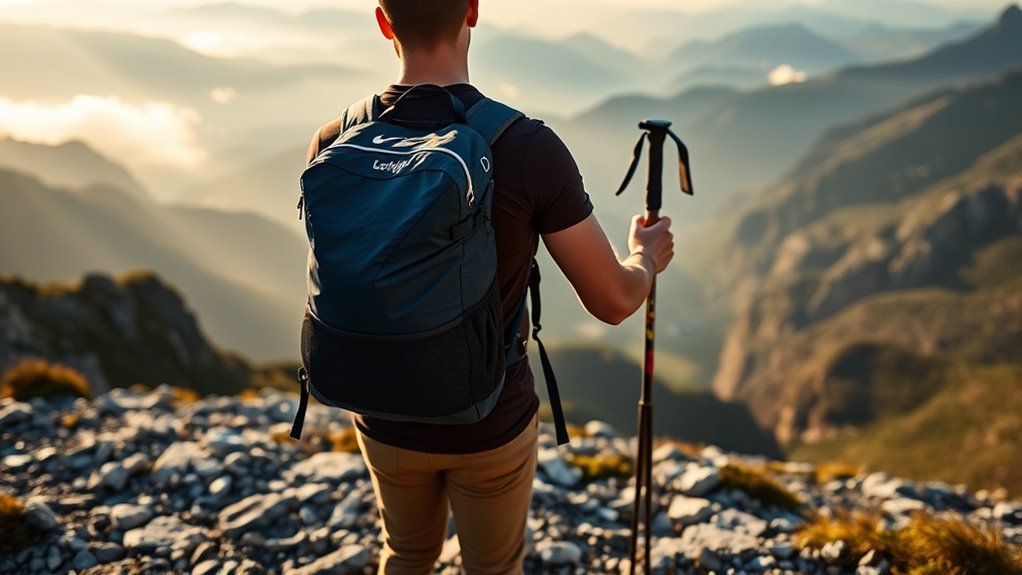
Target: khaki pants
{"x": 488, "y": 492}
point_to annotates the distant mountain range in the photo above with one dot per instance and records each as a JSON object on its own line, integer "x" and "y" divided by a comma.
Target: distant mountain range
{"x": 244, "y": 274}
{"x": 748, "y": 140}
{"x": 72, "y": 165}
{"x": 766, "y": 47}
{"x": 881, "y": 284}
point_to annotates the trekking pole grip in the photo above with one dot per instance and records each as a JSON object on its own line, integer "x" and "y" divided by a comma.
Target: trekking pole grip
{"x": 657, "y": 133}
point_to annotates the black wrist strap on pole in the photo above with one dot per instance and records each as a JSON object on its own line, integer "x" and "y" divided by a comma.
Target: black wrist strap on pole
{"x": 553, "y": 393}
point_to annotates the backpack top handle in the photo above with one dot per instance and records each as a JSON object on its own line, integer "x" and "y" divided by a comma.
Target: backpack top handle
{"x": 456, "y": 106}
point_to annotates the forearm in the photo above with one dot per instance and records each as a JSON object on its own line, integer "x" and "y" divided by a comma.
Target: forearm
{"x": 635, "y": 278}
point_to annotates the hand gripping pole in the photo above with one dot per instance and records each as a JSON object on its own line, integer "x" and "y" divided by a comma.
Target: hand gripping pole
{"x": 656, "y": 131}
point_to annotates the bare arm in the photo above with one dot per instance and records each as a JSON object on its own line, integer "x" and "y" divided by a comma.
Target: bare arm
{"x": 609, "y": 288}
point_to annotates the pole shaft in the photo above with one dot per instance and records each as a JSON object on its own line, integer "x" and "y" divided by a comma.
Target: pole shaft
{"x": 643, "y": 505}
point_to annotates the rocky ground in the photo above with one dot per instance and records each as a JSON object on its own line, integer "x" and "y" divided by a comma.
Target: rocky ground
{"x": 140, "y": 483}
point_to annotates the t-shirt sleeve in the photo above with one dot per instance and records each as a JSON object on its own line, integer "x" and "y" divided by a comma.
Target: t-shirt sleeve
{"x": 553, "y": 179}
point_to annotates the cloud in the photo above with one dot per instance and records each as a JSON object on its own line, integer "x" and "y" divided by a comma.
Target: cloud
{"x": 155, "y": 133}
{"x": 785, "y": 74}
{"x": 509, "y": 90}
{"x": 223, "y": 95}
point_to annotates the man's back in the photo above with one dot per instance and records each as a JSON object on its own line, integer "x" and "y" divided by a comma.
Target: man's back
{"x": 538, "y": 190}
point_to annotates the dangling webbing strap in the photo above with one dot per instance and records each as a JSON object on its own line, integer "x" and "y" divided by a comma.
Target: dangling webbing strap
{"x": 553, "y": 394}
{"x": 303, "y": 404}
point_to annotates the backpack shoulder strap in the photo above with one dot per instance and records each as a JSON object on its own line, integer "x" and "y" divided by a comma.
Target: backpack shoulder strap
{"x": 361, "y": 112}
{"x": 491, "y": 118}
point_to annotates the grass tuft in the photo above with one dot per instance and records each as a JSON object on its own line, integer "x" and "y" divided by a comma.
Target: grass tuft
{"x": 577, "y": 431}
{"x": 928, "y": 546}
{"x": 33, "y": 377}
{"x": 603, "y": 466}
{"x": 15, "y": 534}
{"x": 344, "y": 440}
{"x": 835, "y": 470}
{"x": 183, "y": 396}
{"x": 317, "y": 440}
{"x": 757, "y": 484}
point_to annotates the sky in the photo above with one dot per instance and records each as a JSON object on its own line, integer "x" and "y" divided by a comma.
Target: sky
{"x": 82, "y": 116}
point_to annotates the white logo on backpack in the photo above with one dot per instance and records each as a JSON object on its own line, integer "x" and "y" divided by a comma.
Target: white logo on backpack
{"x": 392, "y": 167}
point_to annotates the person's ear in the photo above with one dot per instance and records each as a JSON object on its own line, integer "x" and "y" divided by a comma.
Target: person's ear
{"x": 385, "y": 27}
{"x": 473, "y": 13}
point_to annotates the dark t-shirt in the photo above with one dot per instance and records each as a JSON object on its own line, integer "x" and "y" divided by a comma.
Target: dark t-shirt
{"x": 538, "y": 190}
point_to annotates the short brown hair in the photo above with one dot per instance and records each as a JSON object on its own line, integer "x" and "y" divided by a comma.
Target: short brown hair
{"x": 425, "y": 23}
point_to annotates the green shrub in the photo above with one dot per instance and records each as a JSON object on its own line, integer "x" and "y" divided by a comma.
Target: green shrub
{"x": 34, "y": 377}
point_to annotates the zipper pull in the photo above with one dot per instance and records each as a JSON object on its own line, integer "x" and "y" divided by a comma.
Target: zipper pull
{"x": 301, "y": 205}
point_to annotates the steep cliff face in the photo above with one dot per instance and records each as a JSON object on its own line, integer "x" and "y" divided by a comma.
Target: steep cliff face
{"x": 135, "y": 329}
{"x": 919, "y": 251}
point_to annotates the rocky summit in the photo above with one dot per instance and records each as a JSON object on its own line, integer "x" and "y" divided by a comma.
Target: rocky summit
{"x": 135, "y": 482}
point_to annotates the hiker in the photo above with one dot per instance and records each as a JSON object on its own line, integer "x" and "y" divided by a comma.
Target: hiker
{"x": 483, "y": 471}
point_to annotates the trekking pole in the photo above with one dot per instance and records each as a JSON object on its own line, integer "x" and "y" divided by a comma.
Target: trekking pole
{"x": 656, "y": 131}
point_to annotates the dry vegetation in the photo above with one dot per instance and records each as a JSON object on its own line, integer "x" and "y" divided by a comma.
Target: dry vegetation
{"x": 15, "y": 534}
{"x": 928, "y": 546}
{"x": 602, "y": 465}
{"x": 757, "y": 484}
{"x": 33, "y": 377}
{"x": 317, "y": 440}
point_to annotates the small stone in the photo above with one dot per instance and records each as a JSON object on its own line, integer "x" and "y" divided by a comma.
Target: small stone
{"x": 347, "y": 559}
{"x": 762, "y": 563}
{"x": 558, "y": 552}
{"x": 126, "y": 517}
{"x": 83, "y": 560}
{"x": 868, "y": 558}
{"x": 668, "y": 452}
{"x": 902, "y": 506}
{"x": 557, "y": 469}
{"x": 113, "y": 475}
{"x": 710, "y": 560}
{"x": 178, "y": 459}
{"x": 103, "y": 452}
{"x": 135, "y": 463}
{"x": 689, "y": 510}
{"x": 782, "y": 549}
{"x": 53, "y": 559}
{"x": 19, "y": 461}
{"x": 203, "y": 551}
{"x": 107, "y": 552}
{"x": 331, "y": 467}
{"x": 162, "y": 532}
{"x": 39, "y": 515}
{"x": 15, "y": 413}
{"x": 221, "y": 486}
{"x": 833, "y": 551}
{"x": 600, "y": 429}
{"x": 207, "y": 567}
{"x": 698, "y": 480}
{"x": 254, "y": 512}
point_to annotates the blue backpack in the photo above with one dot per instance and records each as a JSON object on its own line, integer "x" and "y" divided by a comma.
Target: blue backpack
{"x": 403, "y": 321}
